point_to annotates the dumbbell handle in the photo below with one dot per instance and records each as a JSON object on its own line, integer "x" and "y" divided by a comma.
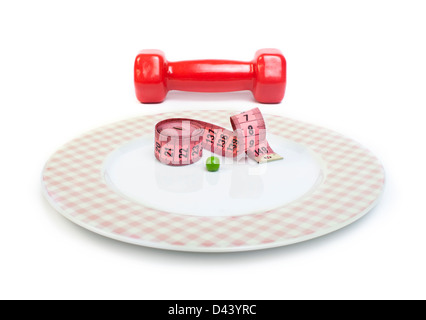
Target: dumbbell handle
{"x": 210, "y": 75}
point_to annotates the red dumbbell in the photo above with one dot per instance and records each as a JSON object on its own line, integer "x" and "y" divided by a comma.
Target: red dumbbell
{"x": 265, "y": 76}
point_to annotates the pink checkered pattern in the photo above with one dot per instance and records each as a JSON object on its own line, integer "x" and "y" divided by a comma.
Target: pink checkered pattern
{"x": 75, "y": 186}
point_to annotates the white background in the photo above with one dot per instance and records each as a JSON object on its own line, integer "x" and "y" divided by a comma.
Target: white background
{"x": 357, "y": 67}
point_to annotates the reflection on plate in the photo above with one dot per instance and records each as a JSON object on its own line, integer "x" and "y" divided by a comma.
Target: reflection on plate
{"x": 239, "y": 188}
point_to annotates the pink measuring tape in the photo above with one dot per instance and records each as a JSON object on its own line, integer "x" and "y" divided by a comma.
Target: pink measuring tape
{"x": 181, "y": 141}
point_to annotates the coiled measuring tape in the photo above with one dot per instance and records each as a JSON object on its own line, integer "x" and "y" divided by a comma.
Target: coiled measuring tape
{"x": 181, "y": 141}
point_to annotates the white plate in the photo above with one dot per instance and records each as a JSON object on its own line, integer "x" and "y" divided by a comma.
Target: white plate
{"x": 109, "y": 181}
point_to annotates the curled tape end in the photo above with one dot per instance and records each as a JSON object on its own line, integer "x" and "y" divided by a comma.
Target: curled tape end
{"x": 268, "y": 158}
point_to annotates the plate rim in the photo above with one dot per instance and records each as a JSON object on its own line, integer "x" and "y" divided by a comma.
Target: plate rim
{"x": 200, "y": 249}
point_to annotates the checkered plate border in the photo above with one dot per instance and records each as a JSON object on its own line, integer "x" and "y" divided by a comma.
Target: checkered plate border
{"x": 74, "y": 185}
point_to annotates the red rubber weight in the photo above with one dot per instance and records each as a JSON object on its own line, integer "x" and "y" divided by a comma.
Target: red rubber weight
{"x": 265, "y": 76}
{"x": 181, "y": 141}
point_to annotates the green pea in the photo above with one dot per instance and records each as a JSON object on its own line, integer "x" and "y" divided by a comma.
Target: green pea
{"x": 212, "y": 164}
